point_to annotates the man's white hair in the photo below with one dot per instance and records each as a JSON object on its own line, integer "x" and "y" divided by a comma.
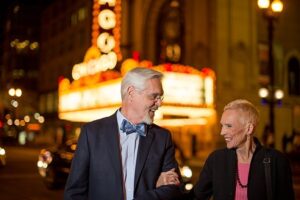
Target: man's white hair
{"x": 137, "y": 78}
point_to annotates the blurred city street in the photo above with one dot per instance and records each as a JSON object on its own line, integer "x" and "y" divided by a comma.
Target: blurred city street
{"x": 20, "y": 179}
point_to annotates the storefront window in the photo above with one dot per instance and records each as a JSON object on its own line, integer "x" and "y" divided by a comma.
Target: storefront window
{"x": 294, "y": 76}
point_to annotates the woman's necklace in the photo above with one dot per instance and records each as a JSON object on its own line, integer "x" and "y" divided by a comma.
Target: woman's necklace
{"x": 238, "y": 178}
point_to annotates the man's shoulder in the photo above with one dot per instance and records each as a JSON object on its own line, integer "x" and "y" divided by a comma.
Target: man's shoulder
{"x": 106, "y": 121}
{"x": 156, "y": 128}
{"x": 273, "y": 153}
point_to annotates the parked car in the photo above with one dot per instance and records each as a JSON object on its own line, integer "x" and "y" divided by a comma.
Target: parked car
{"x": 54, "y": 165}
{"x": 2, "y": 157}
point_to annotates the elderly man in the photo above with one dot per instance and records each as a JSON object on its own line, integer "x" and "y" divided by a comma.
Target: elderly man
{"x": 122, "y": 156}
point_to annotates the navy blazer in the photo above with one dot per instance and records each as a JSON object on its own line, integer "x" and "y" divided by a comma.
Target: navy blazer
{"x": 96, "y": 171}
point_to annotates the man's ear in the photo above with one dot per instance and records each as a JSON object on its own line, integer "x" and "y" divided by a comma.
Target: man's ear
{"x": 130, "y": 91}
{"x": 250, "y": 128}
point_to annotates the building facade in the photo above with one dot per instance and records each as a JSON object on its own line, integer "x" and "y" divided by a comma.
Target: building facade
{"x": 229, "y": 36}
{"x": 20, "y": 51}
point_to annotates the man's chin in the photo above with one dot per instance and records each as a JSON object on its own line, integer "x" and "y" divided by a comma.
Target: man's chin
{"x": 148, "y": 120}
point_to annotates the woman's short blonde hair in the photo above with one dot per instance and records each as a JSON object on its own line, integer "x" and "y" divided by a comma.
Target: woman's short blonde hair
{"x": 249, "y": 112}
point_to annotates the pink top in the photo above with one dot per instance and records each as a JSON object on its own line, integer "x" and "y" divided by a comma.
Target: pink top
{"x": 241, "y": 193}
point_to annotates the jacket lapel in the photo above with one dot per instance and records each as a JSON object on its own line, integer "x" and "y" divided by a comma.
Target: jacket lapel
{"x": 144, "y": 147}
{"x": 113, "y": 144}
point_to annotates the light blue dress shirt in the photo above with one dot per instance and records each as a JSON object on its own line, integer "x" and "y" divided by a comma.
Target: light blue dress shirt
{"x": 129, "y": 149}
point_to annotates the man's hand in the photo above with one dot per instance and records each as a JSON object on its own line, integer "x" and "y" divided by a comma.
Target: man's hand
{"x": 168, "y": 178}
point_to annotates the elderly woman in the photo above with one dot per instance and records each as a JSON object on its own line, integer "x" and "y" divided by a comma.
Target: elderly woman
{"x": 245, "y": 169}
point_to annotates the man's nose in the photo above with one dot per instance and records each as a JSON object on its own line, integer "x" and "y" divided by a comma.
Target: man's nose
{"x": 158, "y": 102}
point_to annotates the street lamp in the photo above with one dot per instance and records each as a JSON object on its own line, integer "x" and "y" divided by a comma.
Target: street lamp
{"x": 271, "y": 9}
{"x": 15, "y": 92}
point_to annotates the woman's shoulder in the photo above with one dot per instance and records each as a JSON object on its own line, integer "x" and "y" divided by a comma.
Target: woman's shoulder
{"x": 222, "y": 153}
{"x": 273, "y": 154}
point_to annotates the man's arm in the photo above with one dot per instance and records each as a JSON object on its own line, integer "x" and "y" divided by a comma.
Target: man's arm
{"x": 165, "y": 188}
{"x": 77, "y": 183}
{"x": 168, "y": 178}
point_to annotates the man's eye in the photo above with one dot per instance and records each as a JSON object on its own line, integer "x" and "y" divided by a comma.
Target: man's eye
{"x": 153, "y": 96}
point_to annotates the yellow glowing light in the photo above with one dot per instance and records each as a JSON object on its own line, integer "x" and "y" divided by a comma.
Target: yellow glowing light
{"x": 17, "y": 122}
{"x": 180, "y": 122}
{"x": 9, "y": 122}
{"x": 209, "y": 90}
{"x": 105, "y": 42}
{"x": 279, "y": 94}
{"x": 189, "y": 112}
{"x": 264, "y": 4}
{"x": 127, "y": 65}
{"x": 107, "y": 19}
{"x": 41, "y": 119}
{"x": 277, "y": 6}
{"x": 263, "y": 92}
{"x": 100, "y": 95}
{"x": 27, "y": 118}
{"x": 18, "y": 92}
{"x": 34, "y": 45}
{"x": 88, "y": 115}
{"x": 173, "y": 52}
{"x": 22, "y": 123}
{"x": 92, "y": 53}
{"x": 179, "y": 90}
{"x": 12, "y": 91}
{"x": 105, "y": 62}
{"x": 111, "y": 3}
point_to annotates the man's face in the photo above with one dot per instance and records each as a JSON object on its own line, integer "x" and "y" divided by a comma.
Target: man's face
{"x": 233, "y": 129}
{"x": 147, "y": 101}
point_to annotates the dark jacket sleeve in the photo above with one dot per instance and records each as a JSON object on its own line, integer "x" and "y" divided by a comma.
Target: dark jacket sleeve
{"x": 203, "y": 188}
{"x": 283, "y": 182}
{"x": 77, "y": 183}
{"x": 169, "y": 191}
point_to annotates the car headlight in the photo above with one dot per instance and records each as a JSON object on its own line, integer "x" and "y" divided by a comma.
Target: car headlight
{"x": 2, "y": 151}
{"x": 45, "y": 158}
{"x": 188, "y": 186}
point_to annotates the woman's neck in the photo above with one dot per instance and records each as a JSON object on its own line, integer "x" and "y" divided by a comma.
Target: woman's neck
{"x": 245, "y": 153}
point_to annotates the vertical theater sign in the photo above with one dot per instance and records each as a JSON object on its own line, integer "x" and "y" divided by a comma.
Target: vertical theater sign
{"x": 188, "y": 106}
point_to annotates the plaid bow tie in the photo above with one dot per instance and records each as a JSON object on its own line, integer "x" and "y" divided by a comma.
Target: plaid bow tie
{"x": 129, "y": 128}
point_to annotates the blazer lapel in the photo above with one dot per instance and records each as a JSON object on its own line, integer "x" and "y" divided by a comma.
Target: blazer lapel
{"x": 113, "y": 144}
{"x": 144, "y": 147}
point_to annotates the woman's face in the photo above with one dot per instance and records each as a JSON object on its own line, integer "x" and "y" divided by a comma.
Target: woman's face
{"x": 233, "y": 129}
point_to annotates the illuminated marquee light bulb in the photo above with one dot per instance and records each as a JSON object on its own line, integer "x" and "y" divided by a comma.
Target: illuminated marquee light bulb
{"x": 173, "y": 52}
{"x": 108, "y": 61}
{"x": 112, "y": 56}
{"x": 107, "y": 19}
{"x": 110, "y": 2}
{"x": 105, "y": 42}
